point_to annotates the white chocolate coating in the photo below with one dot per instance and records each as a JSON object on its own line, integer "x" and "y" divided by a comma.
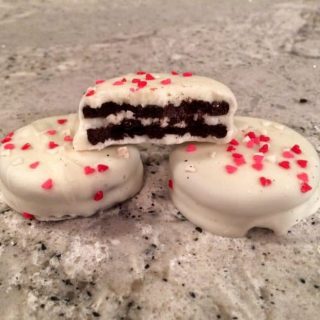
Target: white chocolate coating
{"x": 229, "y": 204}
{"x": 178, "y": 89}
{"x": 110, "y": 177}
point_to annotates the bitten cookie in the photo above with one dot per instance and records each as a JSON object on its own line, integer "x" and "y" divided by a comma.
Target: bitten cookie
{"x": 267, "y": 176}
{"x": 42, "y": 176}
{"x": 157, "y": 108}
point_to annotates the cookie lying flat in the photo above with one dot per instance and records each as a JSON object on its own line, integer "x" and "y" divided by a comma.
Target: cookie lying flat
{"x": 157, "y": 108}
{"x": 267, "y": 176}
{"x": 41, "y": 175}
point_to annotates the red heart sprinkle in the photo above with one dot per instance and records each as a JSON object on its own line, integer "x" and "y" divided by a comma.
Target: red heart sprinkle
{"x": 187, "y": 74}
{"x": 231, "y": 148}
{"x": 124, "y": 80}
{"x": 51, "y": 132}
{"x": 47, "y": 185}
{"x": 258, "y": 158}
{"x": 90, "y": 93}
{"x": 257, "y": 166}
{"x": 149, "y": 76}
{"x": 174, "y": 73}
{"x": 264, "y": 148}
{"x": 264, "y": 138}
{"x": 296, "y": 149}
{"x": 302, "y": 163}
{"x": 303, "y": 177}
{"x": 6, "y": 139}
{"x": 68, "y": 139}
{"x": 284, "y": 164}
{"x": 305, "y": 187}
{"x": 170, "y": 184}
{"x": 251, "y": 135}
{"x": 191, "y": 148}
{"x": 265, "y": 182}
{"x": 9, "y": 146}
{"x": 234, "y": 142}
{"x": 142, "y": 84}
{"x": 10, "y": 134}
{"x": 287, "y": 154}
{"x": 100, "y": 81}
{"x": 62, "y": 121}
{"x": 26, "y": 146}
{"x": 34, "y": 165}
{"x": 230, "y": 169}
{"x": 135, "y": 80}
{"x": 102, "y": 167}
{"x": 27, "y": 215}
{"x": 118, "y": 83}
{"x": 98, "y": 196}
{"x": 140, "y": 73}
{"x": 166, "y": 81}
{"x": 88, "y": 170}
{"x": 52, "y": 145}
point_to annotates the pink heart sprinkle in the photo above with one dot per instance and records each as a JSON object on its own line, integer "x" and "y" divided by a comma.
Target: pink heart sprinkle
{"x": 133, "y": 89}
{"x": 303, "y": 177}
{"x": 170, "y": 184}
{"x": 118, "y": 83}
{"x": 305, "y": 187}
{"x": 187, "y": 74}
{"x": 9, "y": 146}
{"x": 258, "y": 158}
{"x": 88, "y": 170}
{"x": 296, "y": 149}
{"x": 27, "y": 215}
{"x": 90, "y": 93}
{"x": 102, "y": 167}
{"x": 287, "y": 154}
{"x": 52, "y": 145}
{"x": 26, "y": 146}
{"x": 284, "y": 164}
{"x": 68, "y": 139}
{"x": 234, "y": 142}
{"x": 166, "y": 81}
{"x": 250, "y": 144}
{"x": 239, "y": 161}
{"x": 265, "y": 182}
{"x": 302, "y": 163}
{"x": 62, "y": 121}
{"x": 47, "y": 185}
{"x": 264, "y": 138}
{"x": 257, "y": 166}
{"x": 100, "y": 81}
{"x": 230, "y": 169}
{"x": 51, "y": 132}
{"x": 98, "y": 196}
{"x": 264, "y": 148}
{"x": 149, "y": 76}
{"x": 34, "y": 165}
{"x": 142, "y": 84}
{"x": 191, "y": 148}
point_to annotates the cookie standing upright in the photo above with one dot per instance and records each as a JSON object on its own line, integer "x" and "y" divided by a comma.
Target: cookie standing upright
{"x": 266, "y": 176}
{"x": 158, "y": 108}
{"x": 42, "y": 176}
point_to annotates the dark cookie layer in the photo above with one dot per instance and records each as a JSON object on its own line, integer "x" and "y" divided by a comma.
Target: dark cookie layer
{"x": 186, "y": 109}
{"x": 131, "y": 128}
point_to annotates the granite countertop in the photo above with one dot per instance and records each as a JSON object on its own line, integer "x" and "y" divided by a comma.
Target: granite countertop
{"x": 142, "y": 259}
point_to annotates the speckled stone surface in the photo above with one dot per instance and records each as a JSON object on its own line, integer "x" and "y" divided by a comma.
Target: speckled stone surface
{"x": 142, "y": 260}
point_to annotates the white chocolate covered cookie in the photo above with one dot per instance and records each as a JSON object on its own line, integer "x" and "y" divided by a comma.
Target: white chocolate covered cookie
{"x": 41, "y": 174}
{"x": 157, "y": 108}
{"x": 267, "y": 176}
